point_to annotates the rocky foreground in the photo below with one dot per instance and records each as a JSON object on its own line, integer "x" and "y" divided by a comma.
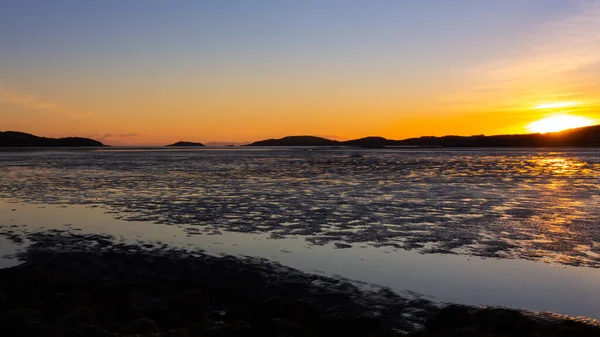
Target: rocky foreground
{"x": 88, "y": 285}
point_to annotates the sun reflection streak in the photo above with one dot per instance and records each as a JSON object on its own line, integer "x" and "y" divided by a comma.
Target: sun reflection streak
{"x": 556, "y": 237}
{"x": 562, "y": 166}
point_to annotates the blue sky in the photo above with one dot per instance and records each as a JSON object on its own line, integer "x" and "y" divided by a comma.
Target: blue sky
{"x": 85, "y": 54}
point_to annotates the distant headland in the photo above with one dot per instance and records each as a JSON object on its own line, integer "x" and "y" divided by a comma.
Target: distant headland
{"x": 21, "y": 139}
{"x": 579, "y": 137}
{"x": 296, "y": 141}
{"x": 182, "y": 143}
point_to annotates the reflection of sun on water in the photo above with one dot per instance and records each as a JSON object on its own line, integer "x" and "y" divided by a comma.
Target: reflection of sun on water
{"x": 558, "y": 123}
{"x": 559, "y": 166}
{"x": 555, "y": 223}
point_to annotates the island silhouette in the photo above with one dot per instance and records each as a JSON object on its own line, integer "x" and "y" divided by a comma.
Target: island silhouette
{"x": 296, "y": 141}
{"x": 182, "y": 143}
{"x": 21, "y": 139}
{"x": 579, "y": 137}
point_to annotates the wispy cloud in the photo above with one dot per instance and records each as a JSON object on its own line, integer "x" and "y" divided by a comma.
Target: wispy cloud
{"x": 119, "y": 135}
{"x": 565, "y": 45}
{"x": 33, "y": 102}
{"x": 113, "y": 138}
{"x": 553, "y": 64}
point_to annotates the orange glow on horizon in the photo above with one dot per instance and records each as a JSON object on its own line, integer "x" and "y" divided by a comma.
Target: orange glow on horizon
{"x": 170, "y": 116}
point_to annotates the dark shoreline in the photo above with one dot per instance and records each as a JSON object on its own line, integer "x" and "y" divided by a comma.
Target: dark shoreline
{"x": 88, "y": 285}
{"x": 580, "y": 137}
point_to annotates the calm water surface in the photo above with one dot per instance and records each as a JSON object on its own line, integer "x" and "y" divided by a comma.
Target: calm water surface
{"x": 516, "y": 228}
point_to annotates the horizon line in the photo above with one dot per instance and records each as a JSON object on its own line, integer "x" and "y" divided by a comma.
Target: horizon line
{"x": 307, "y": 135}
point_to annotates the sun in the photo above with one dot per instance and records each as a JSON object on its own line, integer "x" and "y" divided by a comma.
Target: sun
{"x": 558, "y": 123}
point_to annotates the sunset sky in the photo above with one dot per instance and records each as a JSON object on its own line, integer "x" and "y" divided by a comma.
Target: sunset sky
{"x": 144, "y": 72}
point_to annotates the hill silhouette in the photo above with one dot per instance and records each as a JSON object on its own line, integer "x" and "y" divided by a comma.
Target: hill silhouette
{"x": 21, "y": 139}
{"x": 182, "y": 143}
{"x": 370, "y": 142}
{"x": 297, "y": 141}
{"x": 579, "y": 137}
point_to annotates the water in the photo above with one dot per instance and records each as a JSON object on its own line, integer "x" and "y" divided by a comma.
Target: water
{"x": 516, "y": 228}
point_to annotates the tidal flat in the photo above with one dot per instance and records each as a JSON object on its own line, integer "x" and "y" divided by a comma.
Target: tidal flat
{"x": 476, "y": 227}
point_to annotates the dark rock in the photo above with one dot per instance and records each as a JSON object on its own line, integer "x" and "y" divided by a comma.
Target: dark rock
{"x": 273, "y": 308}
{"x": 280, "y": 327}
{"x": 503, "y": 321}
{"x": 33, "y": 329}
{"x": 468, "y": 332}
{"x": 77, "y": 320}
{"x": 192, "y": 305}
{"x": 196, "y": 329}
{"x": 24, "y": 328}
{"x": 114, "y": 303}
{"x": 140, "y": 326}
{"x": 286, "y": 309}
{"x": 175, "y": 333}
{"x": 234, "y": 329}
{"x": 59, "y": 304}
{"x": 93, "y": 331}
{"x": 20, "y": 315}
{"x": 449, "y": 318}
{"x": 349, "y": 325}
{"x": 3, "y": 300}
{"x": 367, "y": 324}
{"x": 164, "y": 317}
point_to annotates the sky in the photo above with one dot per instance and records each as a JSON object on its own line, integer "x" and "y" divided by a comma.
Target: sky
{"x": 148, "y": 72}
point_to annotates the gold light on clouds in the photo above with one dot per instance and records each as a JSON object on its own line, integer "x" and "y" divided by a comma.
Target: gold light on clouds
{"x": 556, "y": 105}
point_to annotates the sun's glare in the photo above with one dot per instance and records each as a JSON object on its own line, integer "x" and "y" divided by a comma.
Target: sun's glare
{"x": 556, "y": 105}
{"x": 558, "y": 123}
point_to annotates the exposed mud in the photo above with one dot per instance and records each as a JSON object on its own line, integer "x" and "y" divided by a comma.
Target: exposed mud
{"x": 526, "y": 204}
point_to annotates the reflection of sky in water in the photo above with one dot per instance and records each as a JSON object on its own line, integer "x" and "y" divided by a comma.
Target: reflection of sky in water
{"x": 526, "y": 204}
{"x": 452, "y": 278}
